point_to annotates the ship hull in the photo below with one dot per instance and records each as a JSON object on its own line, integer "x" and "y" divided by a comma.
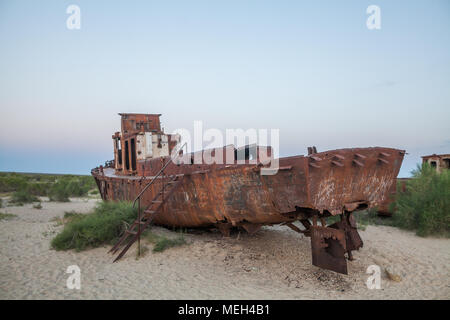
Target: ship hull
{"x": 323, "y": 184}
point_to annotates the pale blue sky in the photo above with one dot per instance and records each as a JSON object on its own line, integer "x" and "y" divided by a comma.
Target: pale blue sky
{"x": 311, "y": 69}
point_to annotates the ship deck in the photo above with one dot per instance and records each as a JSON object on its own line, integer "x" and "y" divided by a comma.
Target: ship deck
{"x": 111, "y": 173}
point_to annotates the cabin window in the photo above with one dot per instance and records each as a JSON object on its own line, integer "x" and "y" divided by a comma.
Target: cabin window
{"x": 142, "y": 125}
{"x": 133, "y": 154}
{"x": 159, "y": 142}
{"x": 119, "y": 151}
{"x": 433, "y": 164}
{"x": 246, "y": 153}
{"x": 127, "y": 158}
{"x": 447, "y": 163}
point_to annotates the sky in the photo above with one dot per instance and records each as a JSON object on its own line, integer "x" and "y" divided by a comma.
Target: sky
{"x": 311, "y": 69}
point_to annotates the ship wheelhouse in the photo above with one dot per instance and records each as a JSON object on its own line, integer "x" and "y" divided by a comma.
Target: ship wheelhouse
{"x": 140, "y": 138}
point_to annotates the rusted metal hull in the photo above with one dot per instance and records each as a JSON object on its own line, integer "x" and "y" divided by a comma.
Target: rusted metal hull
{"x": 328, "y": 183}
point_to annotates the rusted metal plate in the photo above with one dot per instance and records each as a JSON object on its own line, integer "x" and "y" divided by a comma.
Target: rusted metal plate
{"x": 251, "y": 228}
{"x": 361, "y": 178}
{"x": 328, "y": 248}
{"x": 352, "y": 238}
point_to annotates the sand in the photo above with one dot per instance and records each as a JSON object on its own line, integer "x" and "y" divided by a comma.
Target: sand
{"x": 273, "y": 264}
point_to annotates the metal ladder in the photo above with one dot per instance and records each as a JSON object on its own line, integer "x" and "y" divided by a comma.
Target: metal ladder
{"x": 144, "y": 220}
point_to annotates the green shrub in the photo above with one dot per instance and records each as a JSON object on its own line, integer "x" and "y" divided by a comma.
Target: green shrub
{"x": 104, "y": 225}
{"x": 44, "y": 184}
{"x": 6, "y": 216}
{"x": 68, "y": 217}
{"x": 72, "y": 215}
{"x": 12, "y": 182}
{"x": 70, "y": 186}
{"x": 75, "y": 188}
{"x": 39, "y": 188}
{"x": 425, "y": 205}
{"x": 162, "y": 242}
{"x": 59, "y": 192}
{"x": 23, "y": 196}
{"x": 165, "y": 243}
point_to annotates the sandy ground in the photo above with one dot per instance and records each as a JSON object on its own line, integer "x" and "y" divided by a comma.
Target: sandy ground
{"x": 273, "y": 264}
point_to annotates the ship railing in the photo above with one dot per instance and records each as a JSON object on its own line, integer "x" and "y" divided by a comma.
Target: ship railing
{"x": 110, "y": 164}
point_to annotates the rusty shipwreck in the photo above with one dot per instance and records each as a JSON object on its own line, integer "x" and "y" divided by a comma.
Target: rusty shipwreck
{"x": 151, "y": 169}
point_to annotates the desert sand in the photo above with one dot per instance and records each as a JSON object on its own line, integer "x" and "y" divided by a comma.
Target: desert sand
{"x": 275, "y": 263}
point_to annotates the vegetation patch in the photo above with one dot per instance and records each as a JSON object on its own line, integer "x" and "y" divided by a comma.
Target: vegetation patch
{"x": 67, "y": 187}
{"x": 68, "y": 217}
{"x": 72, "y": 215}
{"x": 161, "y": 242}
{"x": 23, "y": 196}
{"x": 59, "y": 192}
{"x": 10, "y": 181}
{"x": 6, "y": 216}
{"x": 104, "y": 225}
{"x": 425, "y": 205}
{"x": 56, "y": 187}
